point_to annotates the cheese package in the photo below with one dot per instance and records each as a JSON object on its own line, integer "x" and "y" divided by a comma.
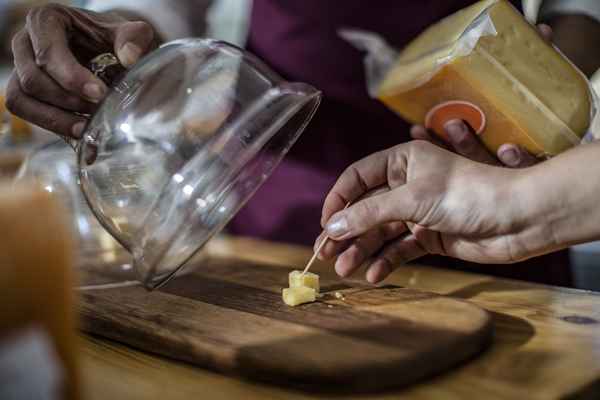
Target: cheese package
{"x": 299, "y": 279}
{"x": 38, "y": 334}
{"x": 489, "y": 67}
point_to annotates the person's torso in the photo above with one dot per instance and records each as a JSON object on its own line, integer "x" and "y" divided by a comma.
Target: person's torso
{"x": 300, "y": 41}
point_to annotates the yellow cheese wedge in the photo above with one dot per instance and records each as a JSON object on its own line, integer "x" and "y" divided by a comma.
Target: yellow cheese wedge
{"x": 530, "y": 94}
{"x": 299, "y": 295}
{"x": 297, "y": 279}
{"x": 37, "y": 285}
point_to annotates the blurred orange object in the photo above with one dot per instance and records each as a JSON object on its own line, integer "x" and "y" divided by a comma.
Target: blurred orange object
{"x": 37, "y": 317}
{"x": 18, "y": 129}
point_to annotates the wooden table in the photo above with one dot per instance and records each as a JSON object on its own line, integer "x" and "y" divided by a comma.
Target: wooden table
{"x": 547, "y": 344}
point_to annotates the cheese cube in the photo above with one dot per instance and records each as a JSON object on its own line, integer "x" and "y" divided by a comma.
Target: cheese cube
{"x": 299, "y": 295}
{"x": 298, "y": 279}
{"x": 530, "y": 94}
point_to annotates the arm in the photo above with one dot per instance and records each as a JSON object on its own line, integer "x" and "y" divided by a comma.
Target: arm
{"x": 562, "y": 198}
{"x": 576, "y": 27}
{"x": 441, "y": 203}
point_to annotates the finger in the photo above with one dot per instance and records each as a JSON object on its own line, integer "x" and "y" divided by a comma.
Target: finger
{"x": 358, "y": 179}
{"x": 48, "y": 35}
{"x": 332, "y": 248}
{"x": 545, "y": 31}
{"x": 132, "y": 41}
{"x": 405, "y": 203}
{"x": 365, "y": 247}
{"x": 358, "y": 252}
{"x": 419, "y": 132}
{"x": 41, "y": 114}
{"x": 466, "y": 143}
{"x": 36, "y": 83}
{"x": 429, "y": 240}
{"x": 514, "y": 156}
{"x": 394, "y": 254}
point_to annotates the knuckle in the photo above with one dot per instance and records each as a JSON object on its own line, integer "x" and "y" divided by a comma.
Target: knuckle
{"x": 66, "y": 76}
{"x": 46, "y": 13}
{"x": 146, "y": 29}
{"x": 13, "y": 101}
{"x": 70, "y": 82}
{"x": 30, "y": 82}
{"x": 53, "y": 125}
{"x": 368, "y": 210}
{"x": 34, "y": 12}
{"x": 354, "y": 171}
{"x": 42, "y": 54}
{"x": 143, "y": 31}
{"x": 390, "y": 230}
{"x": 351, "y": 168}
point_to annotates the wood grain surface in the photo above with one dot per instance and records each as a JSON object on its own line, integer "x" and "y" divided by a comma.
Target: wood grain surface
{"x": 546, "y": 344}
{"x": 229, "y": 316}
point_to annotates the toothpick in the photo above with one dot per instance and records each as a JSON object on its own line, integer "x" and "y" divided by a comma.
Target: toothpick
{"x": 316, "y": 253}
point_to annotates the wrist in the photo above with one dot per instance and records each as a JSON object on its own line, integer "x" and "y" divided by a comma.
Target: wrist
{"x": 540, "y": 215}
{"x": 558, "y": 201}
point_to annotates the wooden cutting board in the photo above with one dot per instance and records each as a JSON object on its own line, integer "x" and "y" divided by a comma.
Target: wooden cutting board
{"x": 229, "y": 316}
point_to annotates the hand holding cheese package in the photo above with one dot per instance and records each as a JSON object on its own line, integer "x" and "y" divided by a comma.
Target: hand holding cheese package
{"x": 489, "y": 67}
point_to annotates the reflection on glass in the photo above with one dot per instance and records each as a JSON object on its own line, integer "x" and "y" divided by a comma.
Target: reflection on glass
{"x": 181, "y": 143}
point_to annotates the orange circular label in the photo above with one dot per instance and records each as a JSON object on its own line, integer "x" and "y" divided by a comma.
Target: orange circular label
{"x": 441, "y": 114}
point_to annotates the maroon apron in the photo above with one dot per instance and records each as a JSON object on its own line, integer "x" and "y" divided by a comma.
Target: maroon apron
{"x": 299, "y": 40}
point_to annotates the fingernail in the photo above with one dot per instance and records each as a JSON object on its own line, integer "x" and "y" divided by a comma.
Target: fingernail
{"x": 337, "y": 226}
{"x": 510, "y": 157}
{"x": 93, "y": 91}
{"x": 129, "y": 53}
{"x": 77, "y": 130}
{"x": 456, "y": 129}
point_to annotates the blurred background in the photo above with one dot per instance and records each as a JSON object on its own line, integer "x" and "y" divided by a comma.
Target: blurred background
{"x": 229, "y": 18}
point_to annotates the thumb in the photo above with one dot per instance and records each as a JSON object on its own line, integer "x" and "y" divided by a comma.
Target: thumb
{"x": 132, "y": 41}
{"x": 394, "y": 205}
